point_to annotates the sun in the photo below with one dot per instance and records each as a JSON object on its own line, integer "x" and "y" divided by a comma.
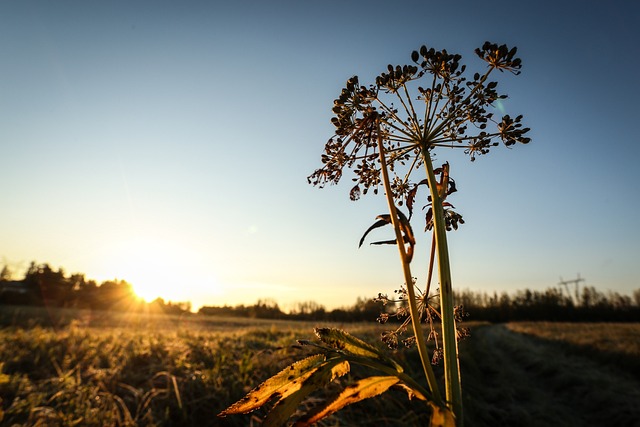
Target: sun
{"x": 164, "y": 269}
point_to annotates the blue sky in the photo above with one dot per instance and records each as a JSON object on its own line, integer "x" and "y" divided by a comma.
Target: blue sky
{"x": 168, "y": 144}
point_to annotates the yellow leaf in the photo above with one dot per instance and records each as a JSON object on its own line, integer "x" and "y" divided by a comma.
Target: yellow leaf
{"x": 442, "y": 417}
{"x": 283, "y": 383}
{"x": 342, "y": 340}
{"x": 318, "y": 379}
{"x": 363, "y": 389}
{"x": 412, "y": 392}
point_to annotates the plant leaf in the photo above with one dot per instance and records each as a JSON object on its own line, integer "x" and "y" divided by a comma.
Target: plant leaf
{"x": 411, "y": 195}
{"x": 441, "y": 417}
{"x": 408, "y": 235}
{"x": 411, "y": 393}
{"x": 283, "y": 384}
{"x": 385, "y": 242}
{"x": 363, "y": 389}
{"x": 341, "y": 340}
{"x": 316, "y": 380}
{"x": 346, "y": 342}
{"x": 405, "y": 227}
{"x": 383, "y": 220}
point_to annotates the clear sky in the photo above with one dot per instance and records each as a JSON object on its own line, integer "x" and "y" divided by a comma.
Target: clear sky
{"x": 168, "y": 144}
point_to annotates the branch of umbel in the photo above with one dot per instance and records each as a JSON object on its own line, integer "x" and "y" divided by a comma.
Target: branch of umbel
{"x": 449, "y": 111}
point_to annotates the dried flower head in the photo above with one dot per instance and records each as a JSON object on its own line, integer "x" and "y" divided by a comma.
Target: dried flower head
{"x": 416, "y": 108}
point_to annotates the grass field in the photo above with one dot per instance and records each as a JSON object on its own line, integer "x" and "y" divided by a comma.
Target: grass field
{"x": 154, "y": 370}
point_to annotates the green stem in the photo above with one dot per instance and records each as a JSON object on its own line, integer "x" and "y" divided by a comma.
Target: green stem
{"x": 449, "y": 341}
{"x": 408, "y": 278}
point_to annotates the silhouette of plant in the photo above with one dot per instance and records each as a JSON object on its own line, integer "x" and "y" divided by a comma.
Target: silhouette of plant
{"x": 386, "y": 133}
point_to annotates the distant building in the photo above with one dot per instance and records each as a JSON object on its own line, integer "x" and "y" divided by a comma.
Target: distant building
{"x": 16, "y": 292}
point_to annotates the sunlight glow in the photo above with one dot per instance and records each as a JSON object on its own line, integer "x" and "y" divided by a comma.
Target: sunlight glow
{"x": 161, "y": 269}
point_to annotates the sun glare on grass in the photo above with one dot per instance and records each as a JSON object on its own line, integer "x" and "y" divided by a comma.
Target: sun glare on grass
{"x": 161, "y": 269}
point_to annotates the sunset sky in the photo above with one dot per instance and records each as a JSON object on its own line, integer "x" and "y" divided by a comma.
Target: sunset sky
{"x": 168, "y": 144}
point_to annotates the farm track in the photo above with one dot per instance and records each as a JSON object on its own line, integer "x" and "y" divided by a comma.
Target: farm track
{"x": 512, "y": 379}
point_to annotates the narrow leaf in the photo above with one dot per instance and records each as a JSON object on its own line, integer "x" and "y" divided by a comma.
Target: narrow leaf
{"x": 407, "y": 233}
{"x": 363, "y": 389}
{"x": 405, "y": 227}
{"x": 383, "y": 220}
{"x": 385, "y": 242}
{"x": 283, "y": 383}
{"x": 318, "y": 379}
{"x": 411, "y": 393}
{"x": 342, "y": 340}
{"x": 411, "y": 196}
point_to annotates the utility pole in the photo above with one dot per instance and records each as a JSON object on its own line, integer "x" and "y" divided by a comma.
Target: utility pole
{"x": 576, "y": 282}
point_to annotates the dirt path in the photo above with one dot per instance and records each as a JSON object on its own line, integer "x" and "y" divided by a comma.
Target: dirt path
{"x": 511, "y": 379}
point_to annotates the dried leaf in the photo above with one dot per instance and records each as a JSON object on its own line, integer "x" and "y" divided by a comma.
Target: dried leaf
{"x": 405, "y": 227}
{"x": 316, "y": 380}
{"x": 411, "y": 195}
{"x": 442, "y": 417}
{"x": 382, "y": 221}
{"x": 346, "y": 342}
{"x": 407, "y": 232}
{"x": 283, "y": 384}
{"x": 363, "y": 389}
{"x": 412, "y": 393}
{"x": 385, "y": 242}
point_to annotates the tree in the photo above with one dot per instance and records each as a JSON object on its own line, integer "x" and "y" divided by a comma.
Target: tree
{"x": 51, "y": 286}
{"x": 266, "y": 309}
{"x": 115, "y": 295}
{"x": 5, "y": 274}
{"x": 308, "y": 310}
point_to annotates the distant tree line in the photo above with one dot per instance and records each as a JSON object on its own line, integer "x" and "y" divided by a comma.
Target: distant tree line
{"x": 363, "y": 310}
{"x": 43, "y": 285}
{"x": 552, "y": 304}
{"x": 46, "y": 286}
{"x": 588, "y": 304}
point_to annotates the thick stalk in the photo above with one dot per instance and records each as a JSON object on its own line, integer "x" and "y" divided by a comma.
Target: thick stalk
{"x": 449, "y": 341}
{"x": 408, "y": 278}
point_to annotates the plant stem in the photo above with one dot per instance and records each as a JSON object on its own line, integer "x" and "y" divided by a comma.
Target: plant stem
{"x": 408, "y": 278}
{"x": 450, "y": 343}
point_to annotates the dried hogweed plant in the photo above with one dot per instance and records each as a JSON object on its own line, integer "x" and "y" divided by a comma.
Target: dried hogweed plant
{"x": 387, "y": 133}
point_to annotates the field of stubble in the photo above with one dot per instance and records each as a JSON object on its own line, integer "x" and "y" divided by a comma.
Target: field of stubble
{"x": 183, "y": 371}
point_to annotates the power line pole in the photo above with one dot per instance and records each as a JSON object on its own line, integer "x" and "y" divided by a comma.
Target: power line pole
{"x": 576, "y": 283}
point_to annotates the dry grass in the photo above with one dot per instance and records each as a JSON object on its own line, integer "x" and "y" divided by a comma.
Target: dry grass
{"x": 183, "y": 372}
{"x": 615, "y": 345}
{"x": 622, "y": 338}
